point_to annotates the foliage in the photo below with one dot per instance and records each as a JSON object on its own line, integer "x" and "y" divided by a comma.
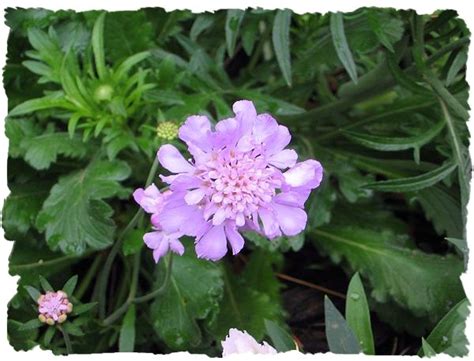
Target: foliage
{"x": 378, "y": 96}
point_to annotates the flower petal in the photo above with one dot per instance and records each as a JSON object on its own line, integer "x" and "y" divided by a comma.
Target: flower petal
{"x": 196, "y": 130}
{"x": 270, "y": 225}
{"x": 264, "y": 126}
{"x": 176, "y": 246}
{"x": 245, "y": 114}
{"x": 213, "y": 244}
{"x": 278, "y": 140}
{"x": 235, "y": 239}
{"x": 153, "y": 239}
{"x": 284, "y": 159}
{"x": 171, "y": 159}
{"x": 306, "y": 174}
{"x": 194, "y": 196}
{"x": 292, "y": 220}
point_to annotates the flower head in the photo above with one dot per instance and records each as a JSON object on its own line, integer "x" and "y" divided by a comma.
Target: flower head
{"x": 241, "y": 177}
{"x": 241, "y": 342}
{"x": 53, "y": 307}
{"x": 167, "y": 130}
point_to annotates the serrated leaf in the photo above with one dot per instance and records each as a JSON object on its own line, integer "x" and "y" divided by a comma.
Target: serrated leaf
{"x": 192, "y": 295}
{"x": 127, "y": 331}
{"x": 74, "y": 216}
{"x": 42, "y": 150}
{"x": 342, "y": 47}
{"x": 340, "y": 337}
{"x": 389, "y": 267}
{"x": 70, "y": 285}
{"x": 281, "y": 42}
{"x": 391, "y": 144}
{"x": 281, "y": 340}
{"x": 232, "y": 26}
{"x": 416, "y": 183}
{"x": 443, "y": 209}
{"x": 358, "y": 315}
{"x": 449, "y": 334}
{"x": 461, "y": 246}
{"x": 249, "y": 298}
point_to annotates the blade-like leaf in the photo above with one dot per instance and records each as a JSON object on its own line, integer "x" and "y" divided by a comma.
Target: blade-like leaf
{"x": 281, "y": 42}
{"x": 30, "y": 325}
{"x": 127, "y": 331}
{"x": 48, "y": 335}
{"x": 45, "y": 284}
{"x": 342, "y": 47}
{"x": 70, "y": 285}
{"x": 414, "y": 183}
{"x": 427, "y": 349}
{"x": 98, "y": 46}
{"x": 458, "y": 63}
{"x": 232, "y": 27}
{"x": 358, "y": 315}
{"x": 340, "y": 337}
{"x": 55, "y": 100}
{"x": 281, "y": 340}
{"x": 33, "y": 292}
{"x": 448, "y": 335}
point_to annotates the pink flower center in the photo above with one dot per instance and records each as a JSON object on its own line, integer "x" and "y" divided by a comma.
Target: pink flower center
{"x": 238, "y": 184}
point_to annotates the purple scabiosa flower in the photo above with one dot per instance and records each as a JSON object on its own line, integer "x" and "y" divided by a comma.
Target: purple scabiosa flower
{"x": 241, "y": 177}
{"x": 53, "y": 307}
{"x": 153, "y": 201}
{"x": 238, "y": 342}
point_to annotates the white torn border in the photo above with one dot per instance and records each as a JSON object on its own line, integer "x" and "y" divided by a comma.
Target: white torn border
{"x": 8, "y": 283}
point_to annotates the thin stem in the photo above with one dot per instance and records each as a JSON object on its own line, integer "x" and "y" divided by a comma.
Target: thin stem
{"x": 84, "y": 285}
{"x": 163, "y": 287}
{"x": 132, "y": 299}
{"x": 67, "y": 340}
{"x": 116, "y": 247}
{"x": 310, "y": 285}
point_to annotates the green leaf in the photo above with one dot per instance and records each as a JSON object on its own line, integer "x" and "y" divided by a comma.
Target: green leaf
{"x": 55, "y": 100}
{"x": 127, "y": 331}
{"x": 449, "y": 336}
{"x": 281, "y": 340}
{"x": 33, "y": 292}
{"x": 342, "y": 47}
{"x": 42, "y": 150}
{"x": 192, "y": 296}
{"x": 443, "y": 209}
{"x": 202, "y": 22}
{"x": 391, "y": 144}
{"x": 48, "y": 335}
{"x": 74, "y": 215}
{"x": 390, "y": 267}
{"x": 249, "y": 298}
{"x": 405, "y": 80}
{"x": 388, "y": 29}
{"x": 98, "y": 46}
{"x": 70, "y": 285}
{"x": 31, "y": 324}
{"x": 414, "y": 183}
{"x": 358, "y": 315}
{"x": 461, "y": 246}
{"x": 45, "y": 284}
{"x": 232, "y": 26}
{"x": 281, "y": 42}
{"x": 22, "y": 206}
{"x": 427, "y": 349}
{"x": 133, "y": 242}
{"x": 458, "y": 63}
{"x": 341, "y": 339}
{"x": 73, "y": 329}
{"x": 83, "y": 308}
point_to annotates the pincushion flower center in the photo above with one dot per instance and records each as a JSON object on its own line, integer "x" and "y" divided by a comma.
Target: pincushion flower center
{"x": 240, "y": 183}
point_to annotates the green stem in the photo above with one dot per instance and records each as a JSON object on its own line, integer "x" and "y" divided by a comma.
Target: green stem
{"x": 84, "y": 285}
{"x": 132, "y": 299}
{"x": 116, "y": 247}
{"x": 67, "y": 340}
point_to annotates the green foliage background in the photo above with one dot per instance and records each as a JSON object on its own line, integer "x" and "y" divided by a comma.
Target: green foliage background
{"x": 378, "y": 96}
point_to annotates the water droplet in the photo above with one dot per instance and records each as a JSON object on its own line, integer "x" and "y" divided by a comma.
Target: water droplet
{"x": 355, "y": 296}
{"x": 445, "y": 340}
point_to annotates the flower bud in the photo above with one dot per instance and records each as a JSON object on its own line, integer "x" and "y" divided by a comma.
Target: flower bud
{"x": 53, "y": 307}
{"x": 167, "y": 130}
